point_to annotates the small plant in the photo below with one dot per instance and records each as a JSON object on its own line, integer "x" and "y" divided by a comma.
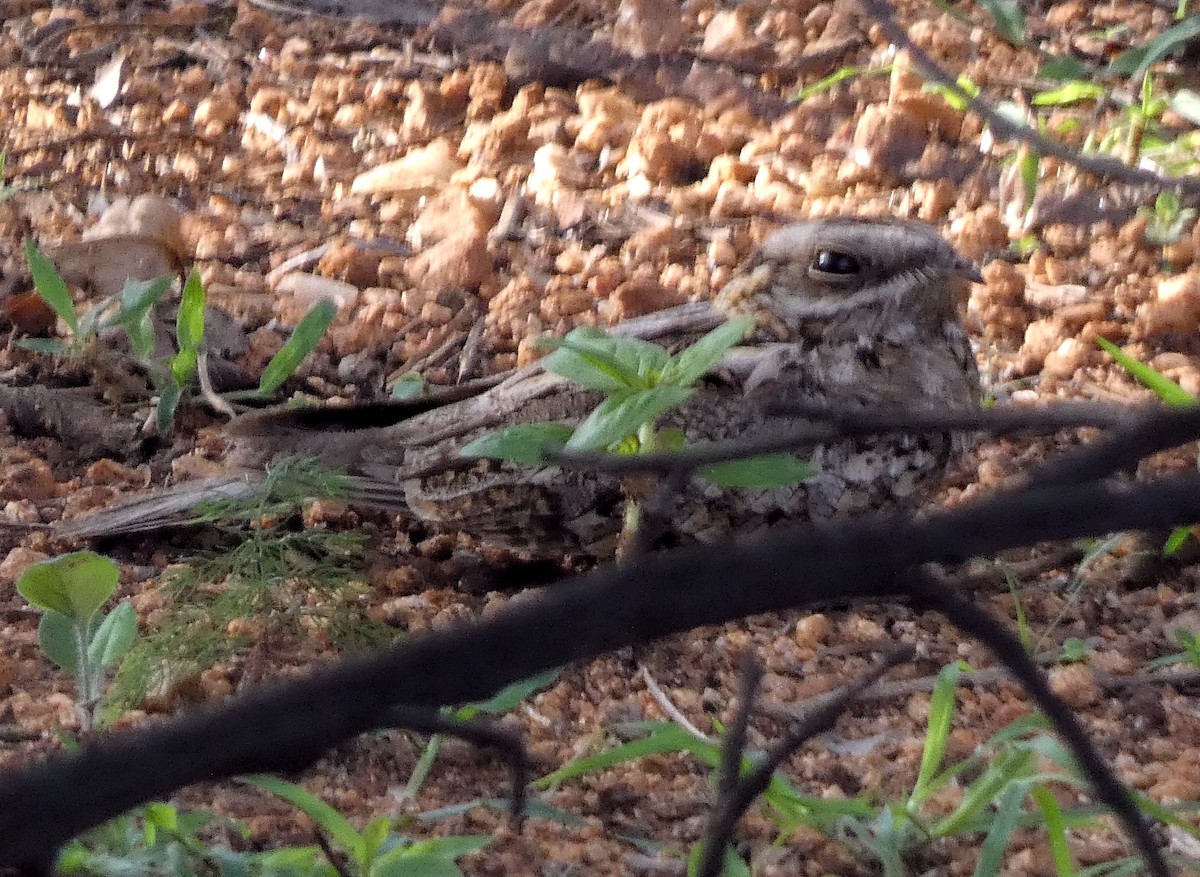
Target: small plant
{"x": 132, "y": 311}
{"x": 1189, "y": 655}
{"x": 1168, "y": 219}
{"x": 303, "y": 582}
{"x": 73, "y": 632}
{"x": 498, "y": 704}
{"x": 376, "y": 851}
{"x": 640, "y": 382}
{"x": 988, "y": 792}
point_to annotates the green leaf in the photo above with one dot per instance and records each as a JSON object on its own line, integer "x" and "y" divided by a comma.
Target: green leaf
{"x": 1010, "y": 21}
{"x": 1069, "y": 93}
{"x": 50, "y": 285}
{"x": 169, "y": 397}
{"x": 58, "y": 638}
{"x": 450, "y": 847}
{"x": 770, "y": 470}
{"x": 513, "y": 694}
{"x": 304, "y": 339}
{"x": 113, "y": 637}
{"x": 691, "y": 364}
{"x": 409, "y": 386}
{"x": 1163, "y": 387}
{"x": 1062, "y": 68}
{"x": 731, "y": 865}
{"x": 327, "y": 818}
{"x": 75, "y": 584}
{"x": 1004, "y": 822}
{"x": 1136, "y": 61}
{"x": 598, "y": 361}
{"x": 1177, "y": 539}
{"x": 524, "y": 443}
{"x": 48, "y": 346}
{"x": 373, "y": 835}
{"x": 620, "y": 415}
{"x": 1056, "y": 831}
{"x": 189, "y": 329}
{"x": 941, "y": 713}
{"x": 401, "y": 864}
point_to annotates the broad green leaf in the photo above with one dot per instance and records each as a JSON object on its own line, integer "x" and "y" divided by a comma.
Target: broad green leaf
{"x": 620, "y": 415}
{"x": 1163, "y": 387}
{"x": 1136, "y": 61}
{"x": 330, "y": 820}
{"x": 1010, "y": 20}
{"x": 50, "y": 285}
{"x": 1069, "y": 93}
{"x": 1177, "y": 538}
{"x": 189, "y": 329}
{"x": 75, "y": 584}
{"x": 524, "y": 443}
{"x": 304, "y": 339}
{"x": 771, "y": 470}
{"x": 1062, "y": 68}
{"x": 113, "y": 637}
{"x": 138, "y": 297}
{"x": 409, "y": 386}
{"x": 689, "y": 365}
{"x": 58, "y": 638}
{"x": 400, "y": 864}
{"x": 141, "y": 335}
{"x": 598, "y": 361}
{"x": 373, "y": 835}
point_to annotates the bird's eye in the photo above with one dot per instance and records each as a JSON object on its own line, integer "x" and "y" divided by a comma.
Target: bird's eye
{"x": 835, "y": 262}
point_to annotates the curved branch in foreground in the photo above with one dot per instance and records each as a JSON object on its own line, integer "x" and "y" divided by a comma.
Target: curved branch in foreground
{"x": 288, "y": 726}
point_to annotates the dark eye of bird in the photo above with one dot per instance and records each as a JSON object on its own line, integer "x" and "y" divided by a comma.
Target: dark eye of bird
{"x": 834, "y": 262}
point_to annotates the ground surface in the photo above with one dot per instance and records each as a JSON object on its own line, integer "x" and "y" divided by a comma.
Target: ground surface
{"x": 275, "y": 133}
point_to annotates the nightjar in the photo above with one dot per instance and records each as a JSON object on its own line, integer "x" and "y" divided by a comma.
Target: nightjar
{"x": 849, "y": 313}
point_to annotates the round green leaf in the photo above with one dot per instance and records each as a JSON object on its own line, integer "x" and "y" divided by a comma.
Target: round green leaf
{"x": 75, "y": 584}
{"x": 58, "y": 639}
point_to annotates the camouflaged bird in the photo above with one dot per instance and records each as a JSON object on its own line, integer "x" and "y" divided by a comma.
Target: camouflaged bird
{"x": 849, "y": 313}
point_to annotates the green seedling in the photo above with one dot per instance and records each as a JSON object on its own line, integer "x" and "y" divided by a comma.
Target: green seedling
{"x": 842, "y": 74}
{"x": 1168, "y": 391}
{"x": 498, "y": 704}
{"x": 1190, "y": 653}
{"x": 376, "y": 851}
{"x": 1010, "y": 20}
{"x": 640, "y": 382}
{"x": 1020, "y": 765}
{"x": 73, "y": 632}
{"x": 308, "y": 333}
{"x": 1168, "y": 219}
{"x": 158, "y": 839}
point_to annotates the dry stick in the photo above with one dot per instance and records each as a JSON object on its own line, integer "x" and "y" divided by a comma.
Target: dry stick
{"x": 737, "y": 796}
{"x": 1101, "y": 166}
{"x": 286, "y": 727}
